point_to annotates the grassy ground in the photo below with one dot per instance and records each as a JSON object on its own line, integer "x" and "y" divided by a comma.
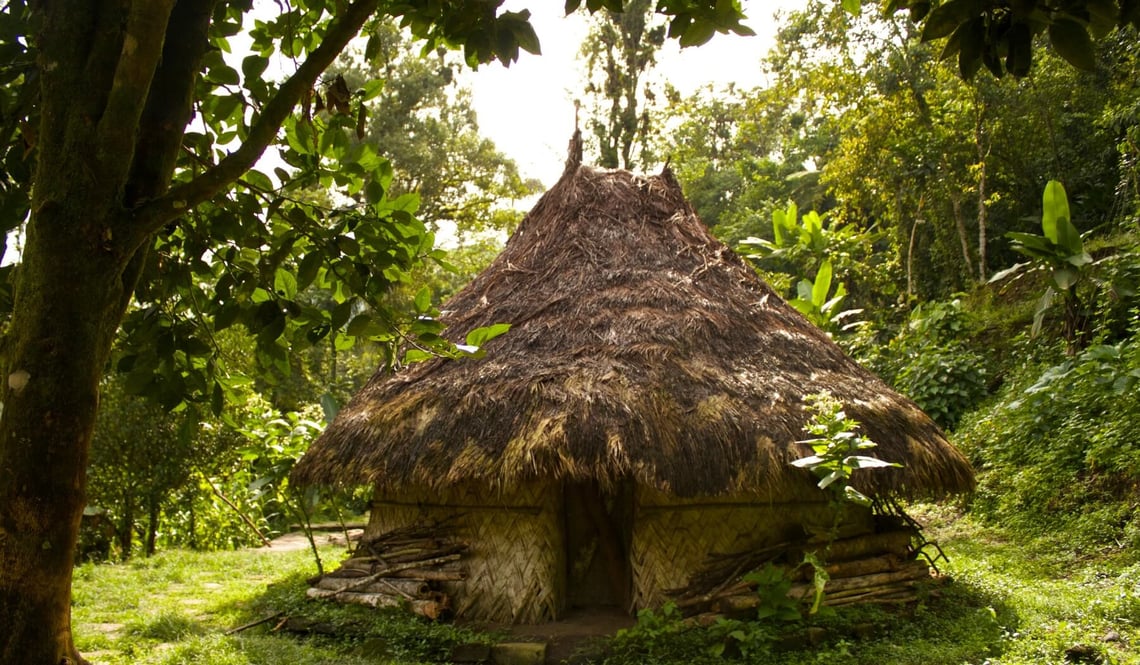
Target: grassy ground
{"x": 1012, "y": 602}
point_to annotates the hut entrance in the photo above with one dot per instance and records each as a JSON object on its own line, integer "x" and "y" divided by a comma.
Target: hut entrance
{"x": 598, "y": 536}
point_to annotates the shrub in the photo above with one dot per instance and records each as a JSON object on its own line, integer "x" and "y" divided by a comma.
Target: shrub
{"x": 1058, "y": 448}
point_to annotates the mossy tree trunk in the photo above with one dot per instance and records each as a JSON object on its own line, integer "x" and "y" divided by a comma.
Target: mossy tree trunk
{"x": 115, "y": 91}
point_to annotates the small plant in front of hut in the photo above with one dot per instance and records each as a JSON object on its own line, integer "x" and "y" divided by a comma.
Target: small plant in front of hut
{"x": 837, "y": 447}
{"x": 773, "y": 585}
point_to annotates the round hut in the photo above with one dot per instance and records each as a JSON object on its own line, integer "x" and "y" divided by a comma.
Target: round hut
{"x": 640, "y": 415}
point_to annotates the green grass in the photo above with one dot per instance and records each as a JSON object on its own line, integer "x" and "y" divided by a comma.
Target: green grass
{"x": 176, "y": 607}
{"x": 1012, "y": 601}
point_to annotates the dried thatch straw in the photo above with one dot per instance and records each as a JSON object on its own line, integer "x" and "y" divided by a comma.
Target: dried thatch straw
{"x": 642, "y": 348}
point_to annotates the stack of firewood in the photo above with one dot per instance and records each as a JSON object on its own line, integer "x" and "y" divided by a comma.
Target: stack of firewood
{"x": 873, "y": 568}
{"x": 402, "y": 568}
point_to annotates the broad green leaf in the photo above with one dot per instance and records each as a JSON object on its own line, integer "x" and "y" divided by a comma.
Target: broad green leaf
{"x": 971, "y": 46}
{"x": 778, "y": 217}
{"x": 1043, "y": 306}
{"x": 416, "y": 355}
{"x": 1065, "y": 278}
{"x": 308, "y": 269}
{"x": 423, "y": 300}
{"x": 807, "y": 462}
{"x": 699, "y": 32}
{"x": 1002, "y": 274}
{"x": 1019, "y": 45}
{"x": 1055, "y": 207}
{"x": 359, "y": 325}
{"x": 865, "y": 462}
{"x": 480, "y": 336}
{"x": 1072, "y": 42}
{"x": 285, "y": 284}
{"x": 527, "y": 39}
{"x": 329, "y": 406}
{"x": 947, "y": 17}
{"x": 855, "y": 496}
{"x": 804, "y": 291}
{"x": 822, "y": 285}
{"x": 253, "y": 66}
{"x": 830, "y": 478}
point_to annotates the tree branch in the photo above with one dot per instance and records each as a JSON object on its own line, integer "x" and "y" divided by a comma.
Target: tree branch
{"x": 151, "y": 216}
{"x": 141, "y": 50}
{"x": 169, "y": 102}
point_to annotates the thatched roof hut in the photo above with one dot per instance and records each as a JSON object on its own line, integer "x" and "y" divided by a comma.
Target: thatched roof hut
{"x": 647, "y": 368}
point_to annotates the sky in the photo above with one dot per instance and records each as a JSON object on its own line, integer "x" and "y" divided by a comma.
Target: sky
{"x": 528, "y": 109}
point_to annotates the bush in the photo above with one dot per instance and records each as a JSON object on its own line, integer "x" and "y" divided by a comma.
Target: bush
{"x": 1058, "y": 449}
{"x": 928, "y": 361}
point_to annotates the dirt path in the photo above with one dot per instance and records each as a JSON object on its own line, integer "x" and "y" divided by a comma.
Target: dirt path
{"x": 296, "y": 540}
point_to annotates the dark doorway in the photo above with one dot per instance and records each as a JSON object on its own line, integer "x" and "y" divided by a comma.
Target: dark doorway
{"x": 598, "y": 536}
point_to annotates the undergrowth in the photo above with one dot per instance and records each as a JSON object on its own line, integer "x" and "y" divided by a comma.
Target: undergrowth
{"x": 1011, "y": 601}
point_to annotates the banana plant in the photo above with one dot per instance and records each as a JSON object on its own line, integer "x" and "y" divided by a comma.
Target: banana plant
{"x": 1060, "y": 250}
{"x": 815, "y": 300}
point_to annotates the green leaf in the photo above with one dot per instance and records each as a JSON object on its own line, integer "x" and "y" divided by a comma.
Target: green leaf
{"x": 822, "y": 285}
{"x": 416, "y": 355}
{"x": 307, "y": 270}
{"x": 480, "y": 336}
{"x": 1043, "y": 306}
{"x": 853, "y": 6}
{"x": 285, "y": 284}
{"x": 329, "y": 406}
{"x": 1072, "y": 42}
{"x": 1065, "y": 278}
{"x": 855, "y": 496}
{"x": 360, "y": 325}
{"x": 340, "y": 314}
{"x": 527, "y": 39}
{"x": 217, "y": 399}
{"x": 253, "y": 66}
{"x": 1055, "y": 207}
{"x": 971, "y": 45}
{"x": 946, "y": 18}
{"x": 699, "y": 32}
{"x": 423, "y": 300}
{"x": 1019, "y": 54}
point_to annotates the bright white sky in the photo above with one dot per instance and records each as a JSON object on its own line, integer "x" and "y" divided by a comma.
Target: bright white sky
{"x": 528, "y": 109}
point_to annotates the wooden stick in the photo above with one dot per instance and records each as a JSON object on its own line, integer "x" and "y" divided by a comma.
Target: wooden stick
{"x": 430, "y": 575}
{"x": 387, "y": 572}
{"x": 251, "y": 624}
{"x": 862, "y": 546}
{"x": 409, "y": 588}
{"x": 917, "y": 570}
{"x": 243, "y": 516}
{"x": 430, "y": 608}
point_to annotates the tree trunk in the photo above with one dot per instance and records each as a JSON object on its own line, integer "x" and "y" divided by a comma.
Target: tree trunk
{"x": 72, "y": 287}
{"x": 115, "y": 96}
{"x": 983, "y": 153}
{"x": 963, "y": 238}
{"x": 127, "y": 528}
{"x": 69, "y": 298}
{"x": 152, "y": 525}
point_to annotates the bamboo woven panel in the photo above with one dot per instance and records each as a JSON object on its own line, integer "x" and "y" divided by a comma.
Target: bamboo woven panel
{"x": 672, "y": 542}
{"x": 515, "y": 567}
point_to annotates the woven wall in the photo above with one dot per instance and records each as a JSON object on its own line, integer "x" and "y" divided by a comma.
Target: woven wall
{"x": 672, "y": 539}
{"x": 515, "y": 567}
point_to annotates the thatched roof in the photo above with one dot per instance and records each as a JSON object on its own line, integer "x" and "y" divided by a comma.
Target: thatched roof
{"x": 642, "y": 348}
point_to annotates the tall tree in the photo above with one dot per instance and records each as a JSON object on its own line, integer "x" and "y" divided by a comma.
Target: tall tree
{"x": 98, "y": 102}
{"x": 424, "y": 123}
{"x": 620, "y": 51}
